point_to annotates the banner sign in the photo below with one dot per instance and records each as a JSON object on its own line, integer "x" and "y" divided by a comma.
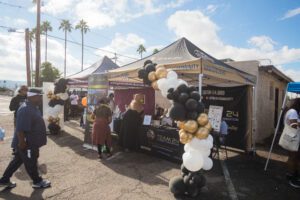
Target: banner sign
{"x": 97, "y": 89}
{"x": 234, "y": 103}
{"x": 215, "y": 117}
{"x": 163, "y": 141}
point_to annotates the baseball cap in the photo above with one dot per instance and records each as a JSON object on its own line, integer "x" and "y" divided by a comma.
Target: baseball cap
{"x": 34, "y": 92}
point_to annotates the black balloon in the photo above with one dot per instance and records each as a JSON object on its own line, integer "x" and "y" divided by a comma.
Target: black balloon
{"x": 147, "y": 62}
{"x": 60, "y": 85}
{"x": 195, "y": 95}
{"x": 183, "y": 97}
{"x": 192, "y": 88}
{"x": 183, "y": 88}
{"x": 192, "y": 115}
{"x": 176, "y": 185}
{"x": 142, "y": 74}
{"x": 170, "y": 96}
{"x": 54, "y": 102}
{"x": 175, "y": 95}
{"x": 184, "y": 170}
{"x": 54, "y": 128}
{"x": 178, "y": 112}
{"x": 150, "y": 68}
{"x": 171, "y": 90}
{"x": 146, "y": 81}
{"x": 200, "y": 107}
{"x": 191, "y": 104}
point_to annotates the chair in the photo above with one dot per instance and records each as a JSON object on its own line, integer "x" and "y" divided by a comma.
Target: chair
{"x": 219, "y": 140}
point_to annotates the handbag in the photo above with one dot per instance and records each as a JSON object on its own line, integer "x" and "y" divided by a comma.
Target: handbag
{"x": 290, "y": 138}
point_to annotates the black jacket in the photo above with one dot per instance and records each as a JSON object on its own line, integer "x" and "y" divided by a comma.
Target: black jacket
{"x": 16, "y": 102}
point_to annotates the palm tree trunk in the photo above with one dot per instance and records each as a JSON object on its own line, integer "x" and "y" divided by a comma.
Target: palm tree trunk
{"x": 81, "y": 50}
{"x": 31, "y": 64}
{"x": 65, "y": 67}
{"x": 46, "y": 46}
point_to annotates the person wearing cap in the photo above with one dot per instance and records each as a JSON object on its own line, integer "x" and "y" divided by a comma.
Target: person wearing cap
{"x": 18, "y": 100}
{"x": 30, "y": 135}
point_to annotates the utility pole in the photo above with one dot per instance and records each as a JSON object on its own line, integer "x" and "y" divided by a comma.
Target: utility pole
{"x": 115, "y": 58}
{"x": 38, "y": 44}
{"x": 27, "y": 57}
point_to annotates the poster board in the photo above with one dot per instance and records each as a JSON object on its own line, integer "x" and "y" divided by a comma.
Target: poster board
{"x": 215, "y": 117}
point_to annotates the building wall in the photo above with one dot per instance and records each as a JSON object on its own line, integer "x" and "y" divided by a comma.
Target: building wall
{"x": 265, "y": 107}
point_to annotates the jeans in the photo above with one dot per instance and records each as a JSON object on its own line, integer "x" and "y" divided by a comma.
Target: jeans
{"x": 30, "y": 163}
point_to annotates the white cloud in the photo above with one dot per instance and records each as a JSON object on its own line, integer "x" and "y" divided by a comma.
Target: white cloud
{"x": 211, "y": 8}
{"x": 125, "y": 45}
{"x": 292, "y": 73}
{"x": 13, "y": 22}
{"x": 106, "y": 13}
{"x": 202, "y": 31}
{"x": 13, "y": 62}
{"x": 291, "y": 13}
{"x": 263, "y": 42}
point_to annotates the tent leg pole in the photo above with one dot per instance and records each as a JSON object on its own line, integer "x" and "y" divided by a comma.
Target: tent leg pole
{"x": 200, "y": 85}
{"x": 276, "y": 131}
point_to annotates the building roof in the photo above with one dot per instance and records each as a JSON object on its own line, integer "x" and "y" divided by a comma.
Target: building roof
{"x": 273, "y": 70}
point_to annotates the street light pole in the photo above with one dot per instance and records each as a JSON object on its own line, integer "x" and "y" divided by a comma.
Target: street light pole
{"x": 27, "y": 57}
{"x": 38, "y": 44}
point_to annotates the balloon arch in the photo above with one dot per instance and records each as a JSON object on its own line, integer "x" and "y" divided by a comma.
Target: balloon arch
{"x": 193, "y": 123}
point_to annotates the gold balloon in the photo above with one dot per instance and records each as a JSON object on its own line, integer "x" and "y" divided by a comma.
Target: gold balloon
{"x": 190, "y": 126}
{"x": 161, "y": 73}
{"x": 154, "y": 85}
{"x": 208, "y": 126}
{"x": 152, "y": 76}
{"x": 202, "y": 119}
{"x": 202, "y": 133}
{"x": 53, "y": 97}
{"x": 159, "y": 66}
{"x": 180, "y": 124}
{"x": 185, "y": 137}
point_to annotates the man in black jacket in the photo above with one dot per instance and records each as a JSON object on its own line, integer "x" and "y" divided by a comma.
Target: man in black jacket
{"x": 18, "y": 100}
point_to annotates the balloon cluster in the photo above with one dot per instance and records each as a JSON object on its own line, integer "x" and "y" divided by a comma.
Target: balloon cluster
{"x": 189, "y": 183}
{"x": 193, "y": 123}
{"x": 57, "y": 99}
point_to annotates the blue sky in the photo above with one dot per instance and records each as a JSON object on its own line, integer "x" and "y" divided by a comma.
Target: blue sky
{"x": 237, "y": 29}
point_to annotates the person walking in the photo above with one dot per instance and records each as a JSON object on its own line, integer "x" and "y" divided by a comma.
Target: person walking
{"x": 18, "y": 100}
{"x": 291, "y": 118}
{"x": 30, "y": 135}
{"x": 101, "y": 134}
{"x": 74, "y": 98}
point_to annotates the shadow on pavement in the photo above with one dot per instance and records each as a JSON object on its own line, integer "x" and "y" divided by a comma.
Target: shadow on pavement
{"x": 35, "y": 195}
{"x": 252, "y": 182}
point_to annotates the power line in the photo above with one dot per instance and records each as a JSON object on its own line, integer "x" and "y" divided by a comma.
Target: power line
{"x": 74, "y": 42}
{"x": 11, "y": 5}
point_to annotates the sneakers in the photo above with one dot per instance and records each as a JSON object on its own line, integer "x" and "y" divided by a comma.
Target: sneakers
{"x": 294, "y": 183}
{"x": 8, "y": 185}
{"x": 42, "y": 184}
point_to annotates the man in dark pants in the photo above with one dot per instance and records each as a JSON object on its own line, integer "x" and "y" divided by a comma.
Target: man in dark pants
{"x": 18, "y": 100}
{"x": 30, "y": 135}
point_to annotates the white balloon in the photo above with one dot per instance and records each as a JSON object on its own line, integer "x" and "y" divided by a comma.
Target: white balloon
{"x": 160, "y": 83}
{"x": 207, "y": 163}
{"x": 192, "y": 161}
{"x": 210, "y": 138}
{"x": 172, "y": 75}
{"x": 200, "y": 144}
{"x": 63, "y": 96}
{"x": 203, "y": 151}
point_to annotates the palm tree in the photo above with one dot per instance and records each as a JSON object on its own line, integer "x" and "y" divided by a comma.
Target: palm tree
{"x": 141, "y": 49}
{"x": 66, "y": 26}
{"x": 155, "y": 51}
{"x": 31, "y": 38}
{"x": 45, "y": 27}
{"x": 83, "y": 27}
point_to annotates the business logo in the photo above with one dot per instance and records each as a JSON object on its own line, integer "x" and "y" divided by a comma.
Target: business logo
{"x": 150, "y": 134}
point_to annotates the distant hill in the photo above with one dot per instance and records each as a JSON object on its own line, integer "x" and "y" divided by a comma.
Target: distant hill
{"x": 11, "y": 84}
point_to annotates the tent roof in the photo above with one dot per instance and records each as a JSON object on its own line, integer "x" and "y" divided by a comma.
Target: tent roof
{"x": 181, "y": 51}
{"x": 103, "y": 65}
{"x": 294, "y": 87}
